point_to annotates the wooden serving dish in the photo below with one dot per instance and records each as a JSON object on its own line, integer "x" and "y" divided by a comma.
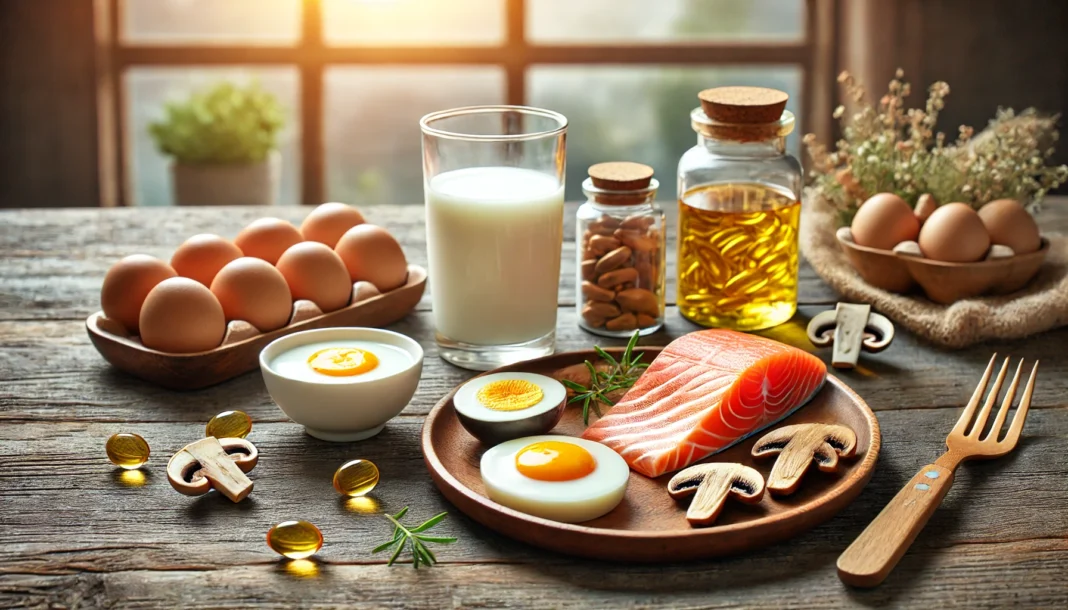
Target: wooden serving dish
{"x": 648, "y": 526}
{"x": 942, "y": 282}
{"x": 240, "y": 355}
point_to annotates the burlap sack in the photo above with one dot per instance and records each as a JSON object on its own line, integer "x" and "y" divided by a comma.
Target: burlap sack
{"x": 1042, "y": 305}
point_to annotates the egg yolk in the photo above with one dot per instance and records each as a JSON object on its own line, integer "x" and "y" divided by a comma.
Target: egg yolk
{"x": 510, "y": 395}
{"x": 554, "y": 461}
{"x": 342, "y": 361}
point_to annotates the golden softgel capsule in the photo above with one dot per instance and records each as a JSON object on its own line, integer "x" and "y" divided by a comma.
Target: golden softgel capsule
{"x": 229, "y": 424}
{"x": 738, "y": 255}
{"x": 295, "y": 539}
{"x": 356, "y": 478}
{"x": 127, "y": 450}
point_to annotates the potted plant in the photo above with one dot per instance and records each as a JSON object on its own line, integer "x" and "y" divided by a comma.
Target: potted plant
{"x": 223, "y": 141}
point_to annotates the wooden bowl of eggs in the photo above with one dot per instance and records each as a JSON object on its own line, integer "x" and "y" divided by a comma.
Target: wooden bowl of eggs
{"x": 204, "y": 317}
{"x": 951, "y": 252}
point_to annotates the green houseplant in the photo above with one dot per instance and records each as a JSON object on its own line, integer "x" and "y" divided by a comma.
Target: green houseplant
{"x": 223, "y": 141}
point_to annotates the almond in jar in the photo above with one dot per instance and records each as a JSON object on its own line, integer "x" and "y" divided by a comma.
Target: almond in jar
{"x": 620, "y": 243}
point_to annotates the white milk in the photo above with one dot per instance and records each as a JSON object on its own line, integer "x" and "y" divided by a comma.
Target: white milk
{"x": 494, "y": 236}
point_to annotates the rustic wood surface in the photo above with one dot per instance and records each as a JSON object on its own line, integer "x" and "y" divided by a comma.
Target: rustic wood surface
{"x": 79, "y": 533}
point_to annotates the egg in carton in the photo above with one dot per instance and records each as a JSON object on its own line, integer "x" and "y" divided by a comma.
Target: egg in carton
{"x": 951, "y": 251}
{"x": 215, "y": 299}
{"x": 239, "y": 330}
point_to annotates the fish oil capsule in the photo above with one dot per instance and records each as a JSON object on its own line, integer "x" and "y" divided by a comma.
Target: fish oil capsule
{"x": 229, "y": 424}
{"x": 356, "y": 478}
{"x": 295, "y": 539}
{"x": 127, "y": 450}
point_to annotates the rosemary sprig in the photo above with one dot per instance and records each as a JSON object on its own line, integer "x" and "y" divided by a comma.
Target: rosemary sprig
{"x": 414, "y": 538}
{"x": 622, "y": 375}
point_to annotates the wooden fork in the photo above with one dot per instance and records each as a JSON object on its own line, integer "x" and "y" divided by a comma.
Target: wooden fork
{"x": 874, "y": 553}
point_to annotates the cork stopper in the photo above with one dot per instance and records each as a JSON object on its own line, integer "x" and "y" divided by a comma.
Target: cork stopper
{"x": 743, "y": 105}
{"x": 621, "y": 176}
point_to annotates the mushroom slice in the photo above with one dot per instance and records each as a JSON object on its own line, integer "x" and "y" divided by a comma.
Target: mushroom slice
{"x": 214, "y": 463}
{"x": 710, "y": 484}
{"x": 798, "y": 446}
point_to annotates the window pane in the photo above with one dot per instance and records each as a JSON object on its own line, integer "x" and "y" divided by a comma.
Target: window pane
{"x": 147, "y": 89}
{"x": 641, "y": 113}
{"x": 211, "y": 21}
{"x": 413, "y": 22}
{"x": 629, "y": 21}
{"x": 373, "y": 143}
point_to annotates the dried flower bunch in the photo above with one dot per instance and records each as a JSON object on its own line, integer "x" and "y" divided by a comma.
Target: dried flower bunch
{"x": 888, "y": 148}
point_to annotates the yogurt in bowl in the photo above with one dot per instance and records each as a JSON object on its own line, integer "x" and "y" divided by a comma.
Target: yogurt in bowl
{"x": 342, "y": 384}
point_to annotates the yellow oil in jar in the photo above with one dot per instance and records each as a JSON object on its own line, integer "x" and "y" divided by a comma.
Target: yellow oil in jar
{"x": 738, "y": 258}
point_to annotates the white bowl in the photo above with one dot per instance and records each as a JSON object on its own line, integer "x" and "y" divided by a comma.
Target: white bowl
{"x": 342, "y": 411}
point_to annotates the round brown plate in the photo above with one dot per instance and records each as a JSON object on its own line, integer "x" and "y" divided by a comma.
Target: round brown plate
{"x": 648, "y": 525}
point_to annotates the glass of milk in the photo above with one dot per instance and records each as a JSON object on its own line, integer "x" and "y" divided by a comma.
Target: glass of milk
{"x": 494, "y": 183}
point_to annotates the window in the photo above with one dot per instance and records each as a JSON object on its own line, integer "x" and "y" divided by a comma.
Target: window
{"x": 356, "y": 75}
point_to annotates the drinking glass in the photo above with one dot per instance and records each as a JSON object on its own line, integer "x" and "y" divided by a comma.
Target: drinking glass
{"x": 493, "y": 177}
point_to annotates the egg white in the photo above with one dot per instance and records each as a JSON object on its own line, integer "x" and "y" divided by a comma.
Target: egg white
{"x": 293, "y": 363}
{"x": 589, "y": 497}
{"x": 466, "y": 398}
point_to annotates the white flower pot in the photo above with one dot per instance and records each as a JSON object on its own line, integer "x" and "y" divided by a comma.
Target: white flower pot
{"x": 227, "y": 184}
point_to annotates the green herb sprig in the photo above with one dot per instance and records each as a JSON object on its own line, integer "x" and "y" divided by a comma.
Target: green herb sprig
{"x": 414, "y": 538}
{"x": 622, "y": 375}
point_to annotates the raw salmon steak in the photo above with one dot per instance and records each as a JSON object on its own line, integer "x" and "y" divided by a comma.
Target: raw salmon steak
{"x": 703, "y": 393}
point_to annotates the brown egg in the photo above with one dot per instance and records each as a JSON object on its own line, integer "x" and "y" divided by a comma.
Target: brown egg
{"x": 127, "y": 284}
{"x": 1009, "y": 224}
{"x": 371, "y": 254}
{"x": 181, "y": 316}
{"x": 252, "y": 290}
{"x": 884, "y": 221}
{"x": 201, "y": 256}
{"x": 925, "y": 206}
{"x": 267, "y": 238}
{"x": 328, "y": 222}
{"x": 954, "y": 234}
{"x": 315, "y": 272}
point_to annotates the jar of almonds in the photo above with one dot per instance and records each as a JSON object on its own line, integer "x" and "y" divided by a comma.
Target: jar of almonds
{"x": 620, "y": 235}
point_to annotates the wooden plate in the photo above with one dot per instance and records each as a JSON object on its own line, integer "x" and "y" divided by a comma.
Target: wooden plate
{"x": 202, "y": 369}
{"x": 648, "y": 526}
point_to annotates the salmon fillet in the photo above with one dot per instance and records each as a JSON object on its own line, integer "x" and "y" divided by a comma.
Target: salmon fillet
{"x": 703, "y": 393}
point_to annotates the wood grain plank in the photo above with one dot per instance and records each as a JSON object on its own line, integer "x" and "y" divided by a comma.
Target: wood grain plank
{"x": 1030, "y": 574}
{"x": 55, "y": 262}
{"x": 50, "y": 371}
{"x": 67, "y": 508}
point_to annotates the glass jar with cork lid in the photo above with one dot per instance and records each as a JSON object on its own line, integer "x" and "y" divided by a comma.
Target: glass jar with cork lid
{"x": 620, "y": 243}
{"x": 739, "y": 211}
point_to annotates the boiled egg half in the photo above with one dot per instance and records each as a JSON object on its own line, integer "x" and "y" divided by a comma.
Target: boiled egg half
{"x": 555, "y": 477}
{"x": 502, "y": 406}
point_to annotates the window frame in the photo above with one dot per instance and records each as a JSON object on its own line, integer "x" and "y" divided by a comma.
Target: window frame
{"x": 813, "y": 53}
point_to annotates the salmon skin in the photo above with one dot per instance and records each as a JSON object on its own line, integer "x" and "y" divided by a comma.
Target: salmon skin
{"x": 703, "y": 393}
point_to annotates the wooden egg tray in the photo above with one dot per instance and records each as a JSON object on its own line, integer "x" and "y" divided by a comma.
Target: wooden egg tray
{"x": 242, "y": 343}
{"x": 942, "y": 282}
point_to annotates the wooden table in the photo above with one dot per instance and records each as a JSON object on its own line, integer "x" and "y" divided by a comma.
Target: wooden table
{"x": 79, "y": 533}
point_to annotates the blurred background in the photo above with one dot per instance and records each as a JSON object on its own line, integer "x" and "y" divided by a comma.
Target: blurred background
{"x": 80, "y": 80}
